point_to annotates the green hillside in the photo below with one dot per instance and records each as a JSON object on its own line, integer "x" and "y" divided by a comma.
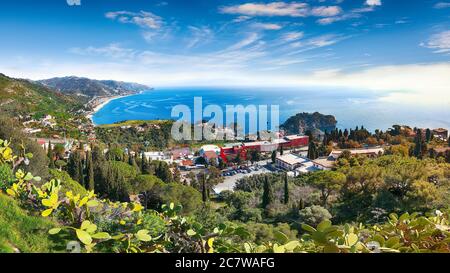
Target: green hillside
{"x": 22, "y": 97}
{"x": 21, "y": 232}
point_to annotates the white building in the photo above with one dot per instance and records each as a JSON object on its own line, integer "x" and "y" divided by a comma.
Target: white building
{"x": 290, "y": 162}
{"x": 370, "y": 152}
{"x": 160, "y": 156}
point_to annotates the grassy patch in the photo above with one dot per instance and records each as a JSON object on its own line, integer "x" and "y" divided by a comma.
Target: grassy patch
{"x": 23, "y": 232}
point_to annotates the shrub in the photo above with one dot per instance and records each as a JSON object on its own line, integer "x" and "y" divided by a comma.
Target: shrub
{"x": 314, "y": 215}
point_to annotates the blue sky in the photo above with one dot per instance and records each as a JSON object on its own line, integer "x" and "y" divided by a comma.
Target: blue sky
{"x": 348, "y": 43}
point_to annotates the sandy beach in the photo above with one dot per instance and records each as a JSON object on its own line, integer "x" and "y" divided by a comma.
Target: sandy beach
{"x": 102, "y": 102}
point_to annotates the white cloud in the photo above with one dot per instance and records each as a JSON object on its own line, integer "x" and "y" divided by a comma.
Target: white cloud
{"x": 413, "y": 83}
{"x": 143, "y": 19}
{"x": 250, "y": 39}
{"x": 292, "y": 36}
{"x": 270, "y": 9}
{"x": 440, "y": 42}
{"x": 267, "y": 26}
{"x": 325, "y": 11}
{"x": 201, "y": 34}
{"x": 373, "y": 2}
{"x": 442, "y": 5}
{"x": 114, "y": 50}
{"x": 241, "y": 18}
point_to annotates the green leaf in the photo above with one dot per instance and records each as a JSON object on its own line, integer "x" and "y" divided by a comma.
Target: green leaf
{"x": 324, "y": 225}
{"x": 278, "y": 249}
{"x": 392, "y": 242}
{"x": 404, "y": 217}
{"x": 54, "y": 231}
{"x": 378, "y": 238}
{"x": 92, "y": 203}
{"x": 85, "y": 224}
{"x": 191, "y": 232}
{"x": 248, "y": 248}
{"x": 46, "y": 212}
{"x": 352, "y": 239}
{"x": 291, "y": 245}
{"x": 101, "y": 236}
{"x": 142, "y": 235}
{"x": 84, "y": 237}
{"x": 280, "y": 237}
{"x": 308, "y": 228}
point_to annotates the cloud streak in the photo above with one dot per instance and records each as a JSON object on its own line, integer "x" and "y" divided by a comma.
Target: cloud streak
{"x": 143, "y": 19}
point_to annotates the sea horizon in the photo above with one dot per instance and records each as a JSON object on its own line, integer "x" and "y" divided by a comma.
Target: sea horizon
{"x": 351, "y": 108}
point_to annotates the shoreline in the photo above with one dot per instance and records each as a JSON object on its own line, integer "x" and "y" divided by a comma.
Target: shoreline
{"x": 102, "y": 103}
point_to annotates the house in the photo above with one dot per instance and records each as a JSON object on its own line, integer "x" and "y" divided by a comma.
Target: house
{"x": 324, "y": 163}
{"x": 290, "y": 162}
{"x": 441, "y": 133}
{"x": 181, "y": 153}
{"x": 210, "y": 152}
{"x": 160, "y": 156}
{"x": 370, "y": 152}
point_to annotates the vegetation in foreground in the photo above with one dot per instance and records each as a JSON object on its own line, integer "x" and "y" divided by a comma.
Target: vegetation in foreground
{"x": 104, "y": 226}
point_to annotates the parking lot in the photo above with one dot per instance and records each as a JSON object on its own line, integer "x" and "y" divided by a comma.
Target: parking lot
{"x": 231, "y": 177}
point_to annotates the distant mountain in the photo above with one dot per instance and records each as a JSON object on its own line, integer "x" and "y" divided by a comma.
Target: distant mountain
{"x": 92, "y": 88}
{"x": 315, "y": 123}
{"x": 23, "y": 97}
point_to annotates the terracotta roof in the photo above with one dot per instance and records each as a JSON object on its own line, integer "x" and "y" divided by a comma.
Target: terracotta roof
{"x": 210, "y": 154}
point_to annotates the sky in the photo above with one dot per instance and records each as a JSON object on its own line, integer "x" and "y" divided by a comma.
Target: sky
{"x": 397, "y": 46}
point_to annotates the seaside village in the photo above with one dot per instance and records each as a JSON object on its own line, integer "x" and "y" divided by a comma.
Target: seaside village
{"x": 285, "y": 153}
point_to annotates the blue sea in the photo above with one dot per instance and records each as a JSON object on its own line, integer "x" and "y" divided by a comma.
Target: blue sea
{"x": 350, "y": 107}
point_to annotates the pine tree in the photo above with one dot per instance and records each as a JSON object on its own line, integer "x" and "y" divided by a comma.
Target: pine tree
{"x": 90, "y": 180}
{"x": 286, "y": 189}
{"x": 267, "y": 197}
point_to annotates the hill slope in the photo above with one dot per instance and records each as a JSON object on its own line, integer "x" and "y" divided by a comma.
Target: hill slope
{"x": 20, "y": 232}
{"x": 92, "y": 88}
{"x": 23, "y": 97}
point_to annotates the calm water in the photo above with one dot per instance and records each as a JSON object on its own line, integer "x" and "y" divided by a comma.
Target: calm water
{"x": 351, "y": 108}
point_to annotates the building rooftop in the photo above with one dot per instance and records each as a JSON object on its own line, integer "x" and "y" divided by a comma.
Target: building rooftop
{"x": 337, "y": 153}
{"x": 325, "y": 162}
{"x": 292, "y": 159}
{"x": 293, "y": 137}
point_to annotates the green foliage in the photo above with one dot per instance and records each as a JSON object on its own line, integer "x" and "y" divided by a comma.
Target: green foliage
{"x": 67, "y": 183}
{"x": 22, "y": 232}
{"x": 314, "y": 215}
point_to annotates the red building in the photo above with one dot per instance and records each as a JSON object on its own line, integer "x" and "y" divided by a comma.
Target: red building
{"x": 230, "y": 151}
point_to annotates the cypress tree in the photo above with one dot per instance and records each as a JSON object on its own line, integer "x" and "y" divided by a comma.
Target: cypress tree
{"x": 90, "y": 182}
{"x": 420, "y": 147}
{"x": 267, "y": 197}
{"x": 312, "y": 151}
{"x": 50, "y": 155}
{"x": 204, "y": 190}
{"x": 428, "y": 135}
{"x": 274, "y": 156}
{"x": 286, "y": 189}
{"x": 80, "y": 169}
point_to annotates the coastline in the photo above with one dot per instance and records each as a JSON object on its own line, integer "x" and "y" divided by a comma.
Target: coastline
{"x": 102, "y": 102}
